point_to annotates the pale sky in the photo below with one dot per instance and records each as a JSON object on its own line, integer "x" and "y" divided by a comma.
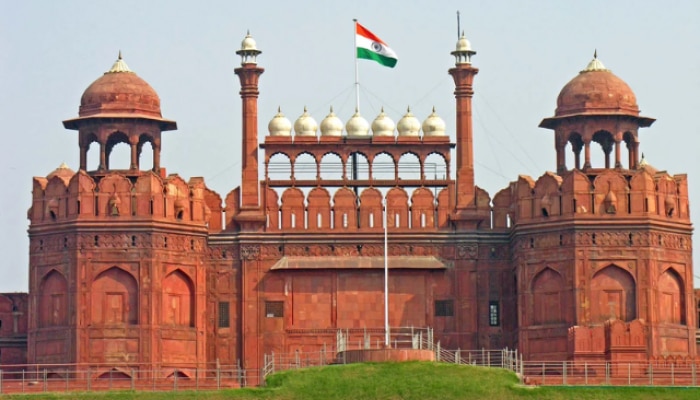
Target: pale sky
{"x": 50, "y": 51}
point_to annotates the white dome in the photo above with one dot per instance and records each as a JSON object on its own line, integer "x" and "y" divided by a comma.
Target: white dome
{"x": 463, "y": 44}
{"x": 357, "y": 126}
{"x": 331, "y": 125}
{"x": 305, "y": 125}
{"x": 409, "y": 125}
{"x": 279, "y": 125}
{"x": 383, "y": 125}
{"x": 248, "y": 43}
{"x": 433, "y": 125}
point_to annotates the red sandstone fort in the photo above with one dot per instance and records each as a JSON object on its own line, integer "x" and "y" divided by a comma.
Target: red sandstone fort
{"x": 141, "y": 268}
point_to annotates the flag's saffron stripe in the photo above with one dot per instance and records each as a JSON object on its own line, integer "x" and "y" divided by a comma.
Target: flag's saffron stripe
{"x": 362, "y": 31}
{"x": 370, "y": 55}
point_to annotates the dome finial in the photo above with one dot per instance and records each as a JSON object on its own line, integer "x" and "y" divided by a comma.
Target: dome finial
{"x": 595, "y": 64}
{"x": 119, "y": 65}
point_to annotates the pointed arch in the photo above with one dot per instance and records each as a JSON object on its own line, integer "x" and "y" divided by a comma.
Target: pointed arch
{"x": 671, "y": 298}
{"x": 331, "y": 167}
{"x": 397, "y": 208}
{"x": 305, "y": 167}
{"x": 319, "y": 208}
{"x": 547, "y": 292}
{"x": 344, "y": 209}
{"x": 358, "y": 163}
{"x": 409, "y": 167}
{"x": 122, "y": 157}
{"x": 114, "y": 298}
{"x": 145, "y": 151}
{"x": 613, "y": 295}
{"x": 607, "y": 142}
{"x": 53, "y": 301}
{"x": 422, "y": 209}
{"x": 278, "y": 167}
{"x": 178, "y": 299}
{"x": 293, "y": 209}
{"x": 384, "y": 167}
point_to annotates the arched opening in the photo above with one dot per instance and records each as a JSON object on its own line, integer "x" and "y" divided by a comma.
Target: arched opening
{"x": 144, "y": 153}
{"x": 178, "y": 299}
{"x": 671, "y": 298}
{"x": 114, "y": 298}
{"x": 547, "y": 288}
{"x": 357, "y": 167}
{"x": 92, "y": 156}
{"x": 409, "y": 167}
{"x": 331, "y": 167}
{"x": 305, "y": 167}
{"x": 118, "y": 152}
{"x": 279, "y": 167}
{"x": 383, "y": 167}
{"x": 53, "y": 303}
{"x": 435, "y": 167}
{"x": 613, "y": 295}
{"x": 607, "y": 143}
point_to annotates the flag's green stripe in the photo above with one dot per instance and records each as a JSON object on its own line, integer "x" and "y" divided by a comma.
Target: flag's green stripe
{"x": 370, "y": 55}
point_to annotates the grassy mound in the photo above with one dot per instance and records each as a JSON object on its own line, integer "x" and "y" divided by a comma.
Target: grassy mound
{"x": 393, "y": 381}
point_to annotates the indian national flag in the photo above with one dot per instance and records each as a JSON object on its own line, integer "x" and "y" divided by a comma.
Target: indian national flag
{"x": 370, "y": 47}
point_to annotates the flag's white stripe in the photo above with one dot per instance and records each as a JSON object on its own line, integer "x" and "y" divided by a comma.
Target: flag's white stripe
{"x": 367, "y": 44}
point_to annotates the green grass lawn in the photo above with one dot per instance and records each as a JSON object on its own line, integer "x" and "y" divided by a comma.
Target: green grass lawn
{"x": 412, "y": 380}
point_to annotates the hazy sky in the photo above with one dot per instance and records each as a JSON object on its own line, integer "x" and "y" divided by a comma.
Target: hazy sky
{"x": 50, "y": 51}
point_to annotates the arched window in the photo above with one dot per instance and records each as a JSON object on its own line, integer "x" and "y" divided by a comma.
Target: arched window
{"x": 114, "y": 298}
{"x": 547, "y": 288}
{"x": 178, "y": 299}
{"x": 53, "y": 304}
{"x": 671, "y": 298}
{"x": 613, "y": 295}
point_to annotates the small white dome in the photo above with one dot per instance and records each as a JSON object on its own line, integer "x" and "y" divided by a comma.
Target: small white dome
{"x": 248, "y": 42}
{"x": 357, "y": 126}
{"x": 331, "y": 125}
{"x": 433, "y": 125}
{"x": 305, "y": 125}
{"x": 409, "y": 125}
{"x": 279, "y": 125}
{"x": 463, "y": 44}
{"x": 383, "y": 125}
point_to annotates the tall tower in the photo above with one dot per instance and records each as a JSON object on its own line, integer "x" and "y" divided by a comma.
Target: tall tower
{"x": 117, "y": 256}
{"x": 464, "y": 216}
{"x": 601, "y": 249}
{"x": 251, "y": 217}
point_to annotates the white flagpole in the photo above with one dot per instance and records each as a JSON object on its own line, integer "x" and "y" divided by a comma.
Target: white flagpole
{"x": 386, "y": 277}
{"x": 357, "y": 73}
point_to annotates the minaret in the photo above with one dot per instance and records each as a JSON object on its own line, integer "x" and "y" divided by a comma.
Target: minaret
{"x": 463, "y": 74}
{"x": 251, "y": 217}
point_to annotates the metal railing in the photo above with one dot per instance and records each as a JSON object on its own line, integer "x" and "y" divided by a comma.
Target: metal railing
{"x": 76, "y": 377}
{"x": 611, "y": 373}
